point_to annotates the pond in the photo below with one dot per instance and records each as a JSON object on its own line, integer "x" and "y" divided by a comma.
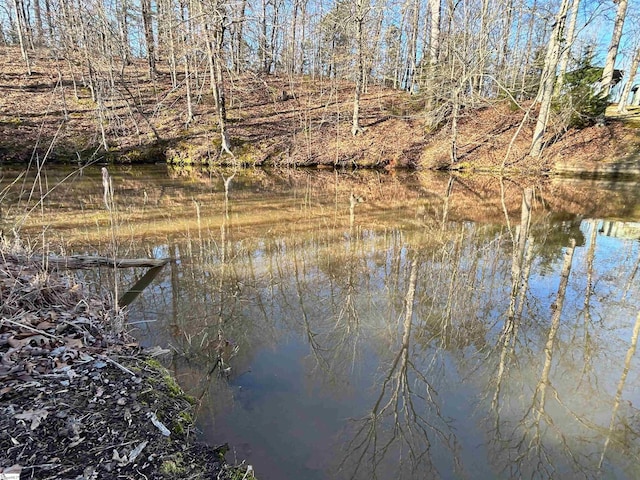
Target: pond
{"x": 363, "y": 325}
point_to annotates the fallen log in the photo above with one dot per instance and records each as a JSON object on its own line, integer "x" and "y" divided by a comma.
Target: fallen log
{"x": 90, "y": 261}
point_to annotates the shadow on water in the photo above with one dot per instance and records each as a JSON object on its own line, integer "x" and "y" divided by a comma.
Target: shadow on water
{"x": 367, "y": 326}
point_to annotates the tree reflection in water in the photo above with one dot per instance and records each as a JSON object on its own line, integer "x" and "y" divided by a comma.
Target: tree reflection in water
{"x": 396, "y": 426}
{"x": 542, "y": 443}
{"x": 429, "y": 313}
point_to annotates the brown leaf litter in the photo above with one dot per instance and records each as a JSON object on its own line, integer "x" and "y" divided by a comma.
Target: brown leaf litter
{"x": 80, "y": 400}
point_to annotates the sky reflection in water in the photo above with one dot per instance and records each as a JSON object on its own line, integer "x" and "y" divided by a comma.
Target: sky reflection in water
{"x": 416, "y": 334}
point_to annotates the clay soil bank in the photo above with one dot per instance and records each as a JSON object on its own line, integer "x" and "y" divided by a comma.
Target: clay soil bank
{"x": 280, "y": 121}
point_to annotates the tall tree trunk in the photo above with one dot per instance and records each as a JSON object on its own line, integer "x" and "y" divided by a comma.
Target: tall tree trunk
{"x": 455, "y": 112}
{"x": 548, "y": 79}
{"x": 147, "y": 21}
{"x": 47, "y": 9}
{"x": 503, "y": 54}
{"x": 214, "y": 39}
{"x": 612, "y": 53}
{"x": 291, "y": 61}
{"x": 375, "y": 44}
{"x": 222, "y": 109}
{"x": 303, "y": 33}
{"x": 482, "y": 51}
{"x": 27, "y": 32}
{"x": 412, "y": 48}
{"x": 398, "y": 59}
{"x": 566, "y": 50}
{"x": 238, "y": 45}
{"x": 522, "y": 66}
{"x": 332, "y": 68}
{"x": 543, "y": 384}
{"x": 69, "y": 31}
{"x": 263, "y": 38}
{"x": 20, "y": 27}
{"x": 90, "y": 80}
{"x": 359, "y": 23}
{"x": 186, "y": 25}
{"x": 173, "y": 62}
{"x": 123, "y": 26}
{"x": 621, "y": 383}
{"x": 39, "y": 29}
{"x": 624, "y": 99}
{"x": 434, "y": 50}
{"x": 108, "y": 51}
{"x": 273, "y": 64}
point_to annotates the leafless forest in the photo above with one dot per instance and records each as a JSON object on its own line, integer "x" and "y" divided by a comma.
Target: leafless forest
{"x": 543, "y": 57}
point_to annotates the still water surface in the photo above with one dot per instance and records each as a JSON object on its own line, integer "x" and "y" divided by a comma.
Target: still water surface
{"x": 361, "y": 325}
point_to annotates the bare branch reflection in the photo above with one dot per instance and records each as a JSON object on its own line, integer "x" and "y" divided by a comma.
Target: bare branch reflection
{"x": 587, "y": 341}
{"x": 540, "y": 393}
{"x": 617, "y": 400}
{"x": 521, "y": 261}
{"x": 406, "y": 415}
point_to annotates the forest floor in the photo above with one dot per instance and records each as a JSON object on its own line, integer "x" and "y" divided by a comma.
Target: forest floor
{"x": 279, "y": 121}
{"x": 79, "y": 398}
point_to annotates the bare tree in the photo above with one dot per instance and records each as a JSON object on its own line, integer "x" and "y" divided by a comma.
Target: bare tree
{"x": 482, "y": 52}
{"x": 410, "y": 83}
{"x": 361, "y": 11}
{"x": 612, "y": 53}
{"x": 185, "y": 17}
{"x": 548, "y": 79}
{"x": 626, "y": 91}
{"x": 566, "y": 48}
{"x": 263, "y": 39}
{"x": 214, "y": 17}
{"x": 397, "y": 419}
{"x": 39, "y": 24}
{"x": 20, "y": 27}
{"x": 435, "y": 7}
{"x": 521, "y": 261}
{"x": 122, "y": 14}
{"x": 149, "y": 37}
{"x": 452, "y": 54}
{"x": 237, "y": 32}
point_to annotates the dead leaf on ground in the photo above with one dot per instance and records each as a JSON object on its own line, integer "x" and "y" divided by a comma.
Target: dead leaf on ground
{"x": 46, "y": 325}
{"x": 34, "y": 416}
{"x": 159, "y": 425}
{"x": 37, "y": 340}
{"x": 15, "y": 469}
{"x": 137, "y": 451}
{"x": 73, "y": 342}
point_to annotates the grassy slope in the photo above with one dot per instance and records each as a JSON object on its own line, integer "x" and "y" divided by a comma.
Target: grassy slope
{"x": 310, "y": 127}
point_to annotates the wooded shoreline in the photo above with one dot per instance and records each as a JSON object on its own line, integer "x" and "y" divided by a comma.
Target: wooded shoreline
{"x": 46, "y": 121}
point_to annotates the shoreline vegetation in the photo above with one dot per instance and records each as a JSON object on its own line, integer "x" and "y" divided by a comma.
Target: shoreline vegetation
{"x": 286, "y": 121}
{"x": 80, "y": 398}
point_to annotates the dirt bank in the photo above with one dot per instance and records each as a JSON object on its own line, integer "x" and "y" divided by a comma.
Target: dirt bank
{"x": 79, "y": 398}
{"x": 282, "y": 121}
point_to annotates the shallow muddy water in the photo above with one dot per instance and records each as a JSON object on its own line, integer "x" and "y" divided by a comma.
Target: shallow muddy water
{"x": 362, "y": 325}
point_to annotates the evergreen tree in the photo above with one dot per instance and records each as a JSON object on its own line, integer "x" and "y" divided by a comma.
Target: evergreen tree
{"x": 580, "y": 103}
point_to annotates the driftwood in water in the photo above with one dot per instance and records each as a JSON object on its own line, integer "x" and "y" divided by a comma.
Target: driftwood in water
{"x": 90, "y": 261}
{"x": 55, "y": 262}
